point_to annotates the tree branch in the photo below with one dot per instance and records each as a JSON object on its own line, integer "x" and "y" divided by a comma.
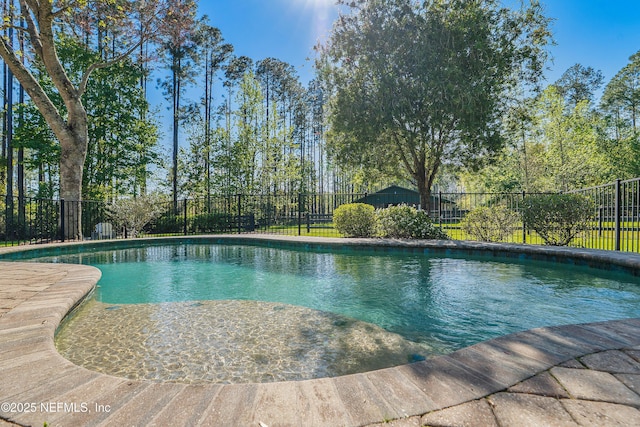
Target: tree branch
{"x": 44, "y": 45}
{"x": 62, "y": 10}
{"x": 98, "y": 65}
{"x": 82, "y": 87}
{"x": 403, "y": 156}
{"x": 32, "y": 87}
{"x": 32, "y": 29}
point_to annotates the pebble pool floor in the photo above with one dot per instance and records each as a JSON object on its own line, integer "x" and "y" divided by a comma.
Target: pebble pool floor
{"x": 227, "y": 341}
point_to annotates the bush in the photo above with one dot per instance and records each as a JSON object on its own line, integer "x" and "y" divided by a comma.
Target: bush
{"x": 213, "y": 223}
{"x": 135, "y": 213}
{"x": 557, "y": 218}
{"x": 355, "y": 220}
{"x": 404, "y": 222}
{"x": 167, "y": 223}
{"x": 490, "y": 224}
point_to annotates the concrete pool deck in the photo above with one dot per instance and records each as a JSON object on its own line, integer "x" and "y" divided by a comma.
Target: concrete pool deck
{"x": 568, "y": 375}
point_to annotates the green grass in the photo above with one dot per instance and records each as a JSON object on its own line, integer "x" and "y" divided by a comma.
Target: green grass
{"x": 630, "y": 240}
{"x": 592, "y": 239}
{"x": 320, "y": 230}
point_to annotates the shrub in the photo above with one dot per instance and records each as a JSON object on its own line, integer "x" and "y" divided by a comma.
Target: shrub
{"x": 355, "y": 220}
{"x": 166, "y": 223}
{"x": 405, "y": 222}
{"x": 135, "y": 213}
{"x": 490, "y": 224}
{"x": 557, "y": 218}
{"x": 212, "y": 223}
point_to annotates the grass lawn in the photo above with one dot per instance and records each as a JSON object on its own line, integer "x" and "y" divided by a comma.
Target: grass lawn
{"x": 318, "y": 230}
{"x": 593, "y": 239}
{"x": 630, "y": 240}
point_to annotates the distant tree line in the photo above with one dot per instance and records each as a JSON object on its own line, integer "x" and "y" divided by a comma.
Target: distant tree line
{"x": 578, "y": 132}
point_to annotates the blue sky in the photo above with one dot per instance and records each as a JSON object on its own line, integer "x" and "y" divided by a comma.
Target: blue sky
{"x": 283, "y": 29}
{"x": 597, "y": 33}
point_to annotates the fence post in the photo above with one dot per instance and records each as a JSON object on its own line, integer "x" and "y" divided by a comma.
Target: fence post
{"x": 299, "y": 214}
{"x": 62, "y": 230}
{"x": 184, "y": 225}
{"x": 618, "y": 213}
{"x": 239, "y": 213}
{"x": 439, "y": 209}
{"x": 600, "y": 221}
{"x": 6, "y": 214}
{"x": 524, "y": 227}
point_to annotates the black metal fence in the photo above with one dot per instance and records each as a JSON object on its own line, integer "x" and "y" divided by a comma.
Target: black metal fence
{"x": 617, "y": 217}
{"x": 615, "y": 224}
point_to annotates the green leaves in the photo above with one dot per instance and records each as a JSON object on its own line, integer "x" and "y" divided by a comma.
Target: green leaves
{"x": 355, "y": 220}
{"x": 426, "y": 82}
{"x": 490, "y": 224}
{"x": 405, "y": 222}
{"x": 557, "y": 218}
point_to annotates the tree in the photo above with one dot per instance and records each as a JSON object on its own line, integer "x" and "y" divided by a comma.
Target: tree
{"x": 418, "y": 85}
{"x": 281, "y": 89}
{"x": 621, "y": 105}
{"x": 42, "y": 21}
{"x": 250, "y": 129}
{"x": 574, "y": 155}
{"x": 234, "y": 72}
{"x": 179, "y": 42}
{"x": 43, "y": 153}
{"x": 522, "y": 147}
{"x": 579, "y": 83}
{"x": 7, "y": 141}
{"x": 214, "y": 53}
{"x": 120, "y": 143}
{"x": 551, "y": 146}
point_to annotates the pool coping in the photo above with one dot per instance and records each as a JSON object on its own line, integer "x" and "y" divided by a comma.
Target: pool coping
{"x": 34, "y": 372}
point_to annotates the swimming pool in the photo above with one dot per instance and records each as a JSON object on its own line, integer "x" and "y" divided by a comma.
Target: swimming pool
{"x": 413, "y": 303}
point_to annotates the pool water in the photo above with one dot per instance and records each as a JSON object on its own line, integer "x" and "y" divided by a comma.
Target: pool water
{"x": 424, "y": 304}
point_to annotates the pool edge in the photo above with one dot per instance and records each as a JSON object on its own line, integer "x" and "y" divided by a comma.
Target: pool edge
{"x": 601, "y": 259}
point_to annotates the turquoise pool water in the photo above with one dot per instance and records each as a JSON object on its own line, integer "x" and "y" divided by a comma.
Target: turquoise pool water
{"x": 448, "y": 302}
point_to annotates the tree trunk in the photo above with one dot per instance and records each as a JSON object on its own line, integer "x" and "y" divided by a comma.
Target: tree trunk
{"x": 20, "y": 177}
{"x": 176, "y": 112}
{"x": 73, "y": 152}
{"x": 425, "y": 175}
{"x": 72, "y": 132}
{"x": 424, "y": 189}
{"x": 9, "y": 220}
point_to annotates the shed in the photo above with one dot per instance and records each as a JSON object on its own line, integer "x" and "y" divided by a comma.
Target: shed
{"x": 396, "y": 195}
{"x": 393, "y": 195}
